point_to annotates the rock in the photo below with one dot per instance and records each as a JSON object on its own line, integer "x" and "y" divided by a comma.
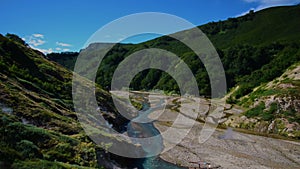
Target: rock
{"x": 271, "y": 127}
{"x": 227, "y": 106}
{"x": 222, "y": 120}
{"x": 243, "y": 118}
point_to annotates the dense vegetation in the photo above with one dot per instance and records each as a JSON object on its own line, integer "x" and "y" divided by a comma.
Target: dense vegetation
{"x": 252, "y": 51}
{"x": 38, "y": 126}
{"x": 285, "y": 89}
{"x": 66, "y": 59}
{"x": 278, "y": 57}
{"x": 259, "y": 28}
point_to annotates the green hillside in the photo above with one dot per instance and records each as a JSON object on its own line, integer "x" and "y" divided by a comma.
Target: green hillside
{"x": 273, "y": 107}
{"x": 254, "y": 49}
{"x": 262, "y": 27}
{"x": 38, "y": 126}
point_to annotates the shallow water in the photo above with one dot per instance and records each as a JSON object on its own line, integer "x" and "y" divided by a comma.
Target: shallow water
{"x": 147, "y": 130}
{"x": 157, "y": 163}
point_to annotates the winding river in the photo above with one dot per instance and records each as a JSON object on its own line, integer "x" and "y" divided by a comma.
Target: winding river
{"x": 138, "y": 130}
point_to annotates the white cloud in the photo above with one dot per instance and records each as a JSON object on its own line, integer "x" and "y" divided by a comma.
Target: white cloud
{"x": 37, "y": 35}
{"x": 63, "y": 44}
{"x": 36, "y": 40}
{"x": 250, "y": 0}
{"x": 51, "y": 50}
{"x": 45, "y": 51}
{"x": 262, "y": 4}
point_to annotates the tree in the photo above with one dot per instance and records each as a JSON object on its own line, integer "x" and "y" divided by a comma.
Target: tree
{"x": 16, "y": 38}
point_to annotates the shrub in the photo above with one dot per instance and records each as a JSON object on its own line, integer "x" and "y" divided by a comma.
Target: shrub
{"x": 28, "y": 149}
{"x": 256, "y": 110}
{"x": 267, "y": 116}
{"x": 8, "y": 155}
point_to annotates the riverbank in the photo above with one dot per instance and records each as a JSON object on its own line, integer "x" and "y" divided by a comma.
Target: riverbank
{"x": 238, "y": 150}
{"x": 234, "y": 150}
{"x": 142, "y": 127}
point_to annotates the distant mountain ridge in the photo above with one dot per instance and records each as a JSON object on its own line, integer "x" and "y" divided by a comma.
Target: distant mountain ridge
{"x": 254, "y": 49}
{"x": 38, "y": 125}
{"x": 275, "y": 24}
{"x": 247, "y": 45}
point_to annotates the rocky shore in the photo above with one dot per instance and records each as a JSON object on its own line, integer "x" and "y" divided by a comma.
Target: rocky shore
{"x": 225, "y": 149}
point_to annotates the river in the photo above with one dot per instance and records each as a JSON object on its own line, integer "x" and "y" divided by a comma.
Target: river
{"x": 143, "y": 130}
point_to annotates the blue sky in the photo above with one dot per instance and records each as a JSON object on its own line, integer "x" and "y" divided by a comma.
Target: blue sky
{"x": 65, "y": 25}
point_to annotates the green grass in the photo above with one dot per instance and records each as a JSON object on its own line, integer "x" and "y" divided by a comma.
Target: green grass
{"x": 44, "y": 164}
{"x": 30, "y": 144}
{"x": 267, "y": 26}
{"x": 263, "y": 43}
{"x": 256, "y": 111}
{"x": 40, "y": 93}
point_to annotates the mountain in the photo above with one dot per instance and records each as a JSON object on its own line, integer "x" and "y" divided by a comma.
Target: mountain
{"x": 39, "y": 128}
{"x": 262, "y": 27}
{"x": 38, "y": 125}
{"x": 255, "y": 49}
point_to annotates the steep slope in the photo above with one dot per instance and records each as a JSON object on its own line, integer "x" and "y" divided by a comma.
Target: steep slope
{"x": 254, "y": 49}
{"x": 262, "y": 27}
{"x": 38, "y": 126}
{"x": 273, "y": 107}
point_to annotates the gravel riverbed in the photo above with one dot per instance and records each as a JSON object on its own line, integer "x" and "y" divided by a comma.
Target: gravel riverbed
{"x": 235, "y": 150}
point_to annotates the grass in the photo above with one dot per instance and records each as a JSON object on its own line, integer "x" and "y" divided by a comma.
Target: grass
{"x": 30, "y": 144}
{"x": 270, "y": 135}
{"x": 45, "y": 164}
{"x": 263, "y": 28}
{"x": 256, "y": 111}
{"x": 40, "y": 91}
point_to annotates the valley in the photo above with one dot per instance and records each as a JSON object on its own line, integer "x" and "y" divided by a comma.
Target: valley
{"x": 255, "y": 124}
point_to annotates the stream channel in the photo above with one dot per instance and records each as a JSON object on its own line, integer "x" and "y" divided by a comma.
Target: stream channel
{"x": 143, "y": 130}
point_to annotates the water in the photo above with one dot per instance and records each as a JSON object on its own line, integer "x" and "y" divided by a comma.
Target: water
{"x": 147, "y": 130}
{"x": 157, "y": 163}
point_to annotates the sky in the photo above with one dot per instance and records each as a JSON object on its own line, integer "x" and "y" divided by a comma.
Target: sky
{"x": 66, "y": 25}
